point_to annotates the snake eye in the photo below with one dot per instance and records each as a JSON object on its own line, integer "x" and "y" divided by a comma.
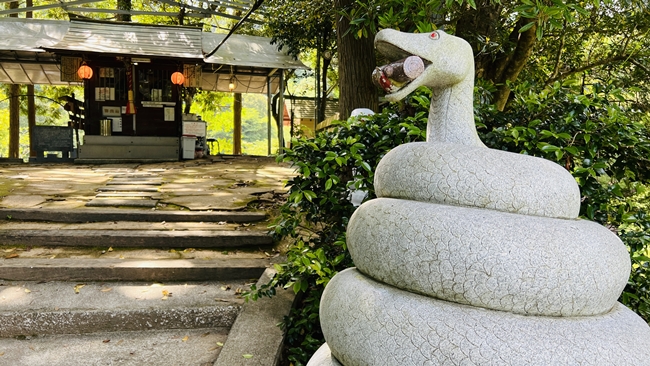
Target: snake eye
{"x": 434, "y": 35}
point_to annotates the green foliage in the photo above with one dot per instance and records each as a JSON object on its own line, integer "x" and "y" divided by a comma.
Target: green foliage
{"x": 605, "y": 146}
{"x": 300, "y": 25}
{"x": 315, "y": 217}
{"x": 216, "y": 109}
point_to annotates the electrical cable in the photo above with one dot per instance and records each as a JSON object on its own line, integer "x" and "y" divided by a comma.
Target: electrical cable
{"x": 255, "y": 6}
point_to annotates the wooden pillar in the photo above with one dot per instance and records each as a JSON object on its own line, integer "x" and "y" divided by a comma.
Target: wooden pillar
{"x": 31, "y": 119}
{"x": 14, "y": 109}
{"x": 14, "y": 121}
{"x": 236, "y": 145}
{"x": 31, "y": 105}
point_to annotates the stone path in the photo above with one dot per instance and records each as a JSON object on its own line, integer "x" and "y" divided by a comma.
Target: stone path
{"x": 129, "y": 189}
{"x": 90, "y": 274}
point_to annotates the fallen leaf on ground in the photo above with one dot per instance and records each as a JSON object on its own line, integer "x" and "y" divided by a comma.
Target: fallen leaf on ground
{"x": 110, "y": 249}
{"x": 106, "y": 289}
{"x": 12, "y": 255}
{"x": 120, "y": 341}
{"x": 27, "y": 290}
{"x": 238, "y": 291}
{"x": 225, "y": 288}
{"x": 219, "y": 344}
{"x": 185, "y": 338}
{"x": 8, "y": 250}
{"x": 106, "y": 340}
{"x": 166, "y": 294}
{"x": 78, "y": 287}
{"x": 2, "y": 353}
{"x": 247, "y": 356}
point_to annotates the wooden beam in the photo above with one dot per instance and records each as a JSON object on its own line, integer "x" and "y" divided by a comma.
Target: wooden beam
{"x": 236, "y": 137}
{"x": 207, "y": 11}
{"x": 50, "y": 6}
{"x": 243, "y": 6}
{"x": 134, "y": 12}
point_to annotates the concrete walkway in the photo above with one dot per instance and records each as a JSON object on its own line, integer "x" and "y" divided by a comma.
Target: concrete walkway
{"x": 91, "y": 259}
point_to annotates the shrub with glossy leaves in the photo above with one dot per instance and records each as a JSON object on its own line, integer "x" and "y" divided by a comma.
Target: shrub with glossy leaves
{"x": 330, "y": 167}
{"x": 604, "y": 146}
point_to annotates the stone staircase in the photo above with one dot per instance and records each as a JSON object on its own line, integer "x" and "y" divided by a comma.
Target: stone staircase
{"x": 107, "y": 286}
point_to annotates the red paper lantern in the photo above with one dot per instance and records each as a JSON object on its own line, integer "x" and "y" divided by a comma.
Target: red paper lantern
{"x": 178, "y": 78}
{"x": 85, "y": 72}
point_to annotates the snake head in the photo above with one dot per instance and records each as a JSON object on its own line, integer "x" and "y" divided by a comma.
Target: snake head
{"x": 448, "y": 59}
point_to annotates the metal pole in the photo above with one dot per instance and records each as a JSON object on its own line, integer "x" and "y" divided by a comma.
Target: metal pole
{"x": 317, "y": 96}
{"x": 281, "y": 113}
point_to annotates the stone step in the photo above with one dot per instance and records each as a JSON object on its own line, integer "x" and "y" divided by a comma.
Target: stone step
{"x": 98, "y": 215}
{"x": 137, "y": 238}
{"x": 133, "y": 182}
{"x": 142, "y": 195}
{"x": 38, "y": 308}
{"x": 116, "y": 202}
{"x": 128, "y": 188}
{"x": 111, "y": 269}
{"x": 200, "y": 347}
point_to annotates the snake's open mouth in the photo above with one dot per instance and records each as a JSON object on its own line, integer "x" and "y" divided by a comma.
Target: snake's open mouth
{"x": 404, "y": 70}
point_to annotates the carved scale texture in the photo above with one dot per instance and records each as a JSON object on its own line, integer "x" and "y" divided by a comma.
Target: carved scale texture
{"x": 478, "y": 177}
{"x": 523, "y": 264}
{"x": 369, "y": 323}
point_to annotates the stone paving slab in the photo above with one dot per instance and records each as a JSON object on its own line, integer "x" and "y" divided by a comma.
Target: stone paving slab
{"x": 110, "y": 202}
{"x": 217, "y": 201}
{"x": 23, "y": 200}
{"x": 192, "y": 347}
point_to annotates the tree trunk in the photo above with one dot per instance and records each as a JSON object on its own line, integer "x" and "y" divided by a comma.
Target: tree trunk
{"x": 505, "y": 65}
{"x": 123, "y": 5}
{"x": 356, "y": 63}
{"x": 515, "y": 64}
{"x": 481, "y": 21}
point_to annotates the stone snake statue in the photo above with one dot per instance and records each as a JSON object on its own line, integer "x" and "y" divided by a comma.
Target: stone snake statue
{"x": 474, "y": 256}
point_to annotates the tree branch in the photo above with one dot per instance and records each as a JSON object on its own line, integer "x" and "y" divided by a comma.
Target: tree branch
{"x": 556, "y": 68}
{"x": 640, "y": 65}
{"x": 516, "y": 63}
{"x": 624, "y": 57}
